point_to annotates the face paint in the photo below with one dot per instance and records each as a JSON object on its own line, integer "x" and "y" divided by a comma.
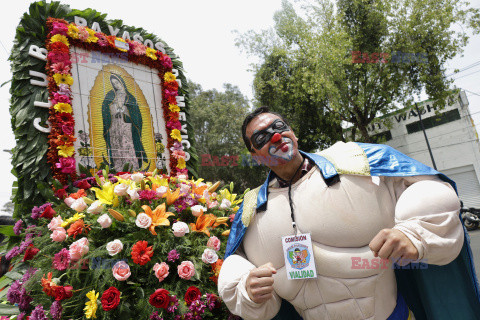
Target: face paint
{"x": 284, "y": 151}
{"x": 261, "y": 138}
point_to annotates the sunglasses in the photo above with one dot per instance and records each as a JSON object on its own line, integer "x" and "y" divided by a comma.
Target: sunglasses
{"x": 260, "y": 138}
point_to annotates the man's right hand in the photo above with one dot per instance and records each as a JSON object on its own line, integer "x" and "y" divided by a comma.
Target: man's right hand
{"x": 259, "y": 283}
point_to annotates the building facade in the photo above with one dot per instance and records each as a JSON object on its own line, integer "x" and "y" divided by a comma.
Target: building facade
{"x": 452, "y": 136}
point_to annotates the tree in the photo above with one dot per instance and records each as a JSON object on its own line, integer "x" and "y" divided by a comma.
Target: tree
{"x": 217, "y": 118}
{"x": 324, "y": 39}
{"x": 279, "y": 85}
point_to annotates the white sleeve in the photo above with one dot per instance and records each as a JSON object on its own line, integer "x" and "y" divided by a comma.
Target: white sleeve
{"x": 427, "y": 213}
{"x": 231, "y": 288}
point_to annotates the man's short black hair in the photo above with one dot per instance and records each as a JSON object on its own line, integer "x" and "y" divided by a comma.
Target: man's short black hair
{"x": 250, "y": 117}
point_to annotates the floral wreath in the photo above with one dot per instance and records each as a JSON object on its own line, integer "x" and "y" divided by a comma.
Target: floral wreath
{"x": 61, "y": 36}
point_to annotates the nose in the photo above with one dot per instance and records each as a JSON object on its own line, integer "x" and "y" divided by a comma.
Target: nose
{"x": 276, "y": 137}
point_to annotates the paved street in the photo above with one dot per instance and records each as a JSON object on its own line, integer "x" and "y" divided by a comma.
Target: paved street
{"x": 475, "y": 244}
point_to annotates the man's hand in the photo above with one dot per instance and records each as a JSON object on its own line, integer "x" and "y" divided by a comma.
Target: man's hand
{"x": 259, "y": 283}
{"x": 394, "y": 245}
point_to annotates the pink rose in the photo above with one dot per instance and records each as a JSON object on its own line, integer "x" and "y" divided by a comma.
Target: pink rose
{"x": 114, "y": 247}
{"x": 186, "y": 270}
{"x": 184, "y": 188}
{"x": 214, "y": 243}
{"x": 225, "y": 204}
{"x": 59, "y": 234}
{"x": 179, "y": 229}
{"x": 125, "y": 176}
{"x": 161, "y": 271}
{"x": 104, "y": 220}
{"x": 55, "y": 223}
{"x": 78, "y": 249}
{"x": 209, "y": 256}
{"x": 66, "y": 165}
{"x": 212, "y": 204}
{"x": 198, "y": 210}
{"x": 121, "y": 271}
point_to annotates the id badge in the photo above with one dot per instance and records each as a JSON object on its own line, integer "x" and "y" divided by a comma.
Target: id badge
{"x": 299, "y": 259}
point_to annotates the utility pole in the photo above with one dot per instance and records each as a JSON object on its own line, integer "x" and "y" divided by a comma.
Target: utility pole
{"x": 426, "y": 139}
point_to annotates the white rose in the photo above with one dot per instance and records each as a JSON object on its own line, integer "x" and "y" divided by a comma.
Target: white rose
{"x": 225, "y": 204}
{"x": 197, "y": 210}
{"x": 132, "y": 192}
{"x": 79, "y": 205}
{"x": 137, "y": 177}
{"x": 180, "y": 228}
{"x": 161, "y": 191}
{"x": 184, "y": 188}
{"x": 104, "y": 220}
{"x": 96, "y": 207}
{"x": 114, "y": 247}
{"x": 209, "y": 256}
{"x": 182, "y": 176}
{"x": 143, "y": 221}
{"x": 121, "y": 189}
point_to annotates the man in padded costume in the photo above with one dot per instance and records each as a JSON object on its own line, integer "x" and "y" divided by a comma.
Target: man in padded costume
{"x": 349, "y": 212}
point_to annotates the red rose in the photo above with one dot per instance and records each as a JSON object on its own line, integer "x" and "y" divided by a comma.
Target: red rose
{"x": 30, "y": 253}
{"x": 48, "y": 213}
{"x": 110, "y": 298}
{"x": 192, "y": 294}
{"x": 62, "y": 293}
{"x": 160, "y": 298}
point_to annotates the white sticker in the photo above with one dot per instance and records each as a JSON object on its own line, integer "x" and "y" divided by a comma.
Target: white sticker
{"x": 121, "y": 45}
{"x": 299, "y": 259}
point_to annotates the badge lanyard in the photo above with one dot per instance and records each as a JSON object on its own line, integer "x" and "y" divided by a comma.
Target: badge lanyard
{"x": 292, "y": 214}
{"x": 298, "y": 249}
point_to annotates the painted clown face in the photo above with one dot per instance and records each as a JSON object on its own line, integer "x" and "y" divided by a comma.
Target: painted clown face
{"x": 273, "y": 142}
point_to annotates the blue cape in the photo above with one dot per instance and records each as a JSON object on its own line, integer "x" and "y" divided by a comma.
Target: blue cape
{"x": 434, "y": 293}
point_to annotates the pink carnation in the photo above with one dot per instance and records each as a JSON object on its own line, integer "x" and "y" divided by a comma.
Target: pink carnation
{"x": 61, "y": 260}
{"x": 82, "y": 33}
{"x": 137, "y": 48}
{"x": 186, "y": 270}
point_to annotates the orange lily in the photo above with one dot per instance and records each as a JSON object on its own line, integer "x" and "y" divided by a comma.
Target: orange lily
{"x": 159, "y": 217}
{"x": 171, "y": 196}
{"x": 199, "y": 190}
{"x": 203, "y": 222}
{"x": 221, "y": 220}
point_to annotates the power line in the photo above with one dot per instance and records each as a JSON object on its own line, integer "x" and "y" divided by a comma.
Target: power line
{"x": 466, "y": 75}
{"x": 465, "y": 68}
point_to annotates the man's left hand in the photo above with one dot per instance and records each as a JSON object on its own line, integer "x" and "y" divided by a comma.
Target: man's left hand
{"x": 394, "y": 245}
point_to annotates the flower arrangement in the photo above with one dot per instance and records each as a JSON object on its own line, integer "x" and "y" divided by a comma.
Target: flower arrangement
{"x": 62, "y": 35}
{"x": 141, "y": 245}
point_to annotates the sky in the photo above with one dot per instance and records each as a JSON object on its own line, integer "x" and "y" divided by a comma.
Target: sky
{"x": 201, "y": 33}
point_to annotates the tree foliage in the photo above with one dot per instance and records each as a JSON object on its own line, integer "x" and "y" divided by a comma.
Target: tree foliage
{"x": 217, "y": 119}
{"x": 317, "y": 39}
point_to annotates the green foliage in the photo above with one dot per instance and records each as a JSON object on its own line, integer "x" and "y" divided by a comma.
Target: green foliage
{"x": 308, "y": 54}
{"x": 29, "y": 160}
{"x": 217, "y": 119}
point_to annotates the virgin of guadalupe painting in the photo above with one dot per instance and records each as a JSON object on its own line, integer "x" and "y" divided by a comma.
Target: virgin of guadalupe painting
{"x": 122, "y": 126}
{"x": 120, "y": 119}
